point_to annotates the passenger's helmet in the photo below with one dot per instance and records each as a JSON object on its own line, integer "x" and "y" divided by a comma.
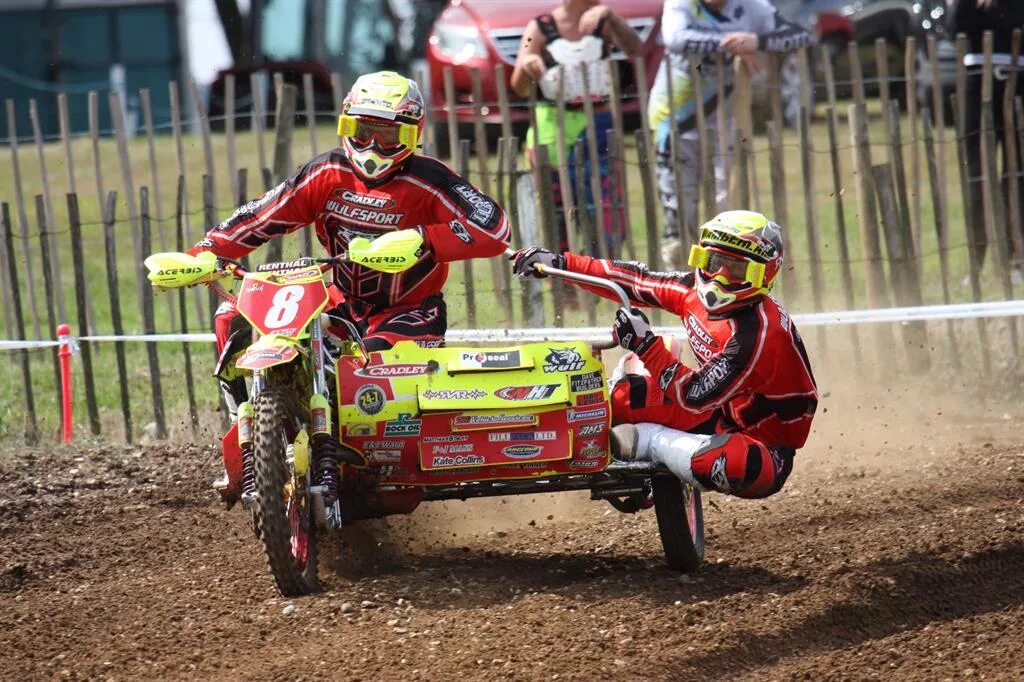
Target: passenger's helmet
{"x": 737, "y": 258}
{"x": 381, "y": 121}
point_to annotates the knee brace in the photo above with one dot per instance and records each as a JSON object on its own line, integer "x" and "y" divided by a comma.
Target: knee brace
{"x": 739, "y": 465}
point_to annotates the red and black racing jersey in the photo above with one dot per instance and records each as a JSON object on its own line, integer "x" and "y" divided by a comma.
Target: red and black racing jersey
{"x": 754, "y": 371}
{"x": 458, "y": 222}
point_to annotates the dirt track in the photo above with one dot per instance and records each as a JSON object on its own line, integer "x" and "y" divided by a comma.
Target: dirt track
{"x": 896, "y": 551}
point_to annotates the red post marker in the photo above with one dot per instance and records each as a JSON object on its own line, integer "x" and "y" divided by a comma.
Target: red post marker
{"x": 64, "y": 339}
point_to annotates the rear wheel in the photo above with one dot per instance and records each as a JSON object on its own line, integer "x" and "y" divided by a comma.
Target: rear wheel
{"x": 680, "y": 522}
{"x": 284, "y": 514}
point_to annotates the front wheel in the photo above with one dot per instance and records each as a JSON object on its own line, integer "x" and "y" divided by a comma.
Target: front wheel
{"x": 284, "y": 518}
{"x": 680, "y": 522}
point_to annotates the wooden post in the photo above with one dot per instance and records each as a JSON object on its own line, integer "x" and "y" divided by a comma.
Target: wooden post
{"x": 480, "y": 133}
{"x": 779, "y": 208}
{"x": 937, "y": 104}
{"x": 501, "y": 84}
{"x": 991, "y": 189}
{"x": 78, "y": 256}
{"x": 856, "y": 75}
{"x": 48, "y": 285}
{"x": 910, "y": 69}
{"x": 829, "y": 75}
{"x": 453, "y": 120}
{"x": 149, "y": 327}
{"x": 44, "y": 177}
{"x": 882, "y": 64}
{"x": 938, "y": 194}
{"x": 259, "y": 121}
{"x": 650, "y": 207}
{"x": 590, "y": 236}
{"x": 774, "y": 60}
{"x": 210, "y": 218}
{"x": 899, "y": 177}
{"x": 810, "y": 212}
{"x": 740, "y": 176}
{"x": 310, "y": 108}
{"x": 285, "y": 118}
{"x": 640, "y": 69}
{"x": 874, "y": 279}
{"x": 31, "y": 429}
{"x": 570, "y": 210}
{"x": 179, "y": 234}
{"x": 127, "y": 177}
{"x": 617, "y": 169}
{"x": 467, "y": 265}
{"x": 94, "y": 136}
{"x": 229, "y": 131}
{"x": 532, "y": 315}
{"x": 501, "y": 262}
{"x": 706, "y": 162}
{"x": 179, "y": 150}
{"x": 147, "y": 114}
{"x": 973, "y": 262}
{"x": 685, "y": 231}
{"x": 902, "y": 268}
{"x": 548, "y": 224}
{"x": 744, "y": 122}
{"x": 204, "y": 129}
{"x": 110, "y": 243}
{"x": 846, "y": 274}
{"x": 595, "y": 176}
{"x": 19, "y": 201}
{"x": 1011, "y": 161}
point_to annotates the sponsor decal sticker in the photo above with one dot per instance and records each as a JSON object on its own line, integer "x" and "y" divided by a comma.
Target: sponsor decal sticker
{"x": 522, "y": 451}
{"x": 486, "y": 421}
{"x": 584, "y": 463}
{"x": 361, "y": 429}
{"x": 454, "y": 394}
{"x": 403, "y": 425}
{"x": 718, "y": 476}
{"x": 382, "y": 371}
{"x": 487, "y": 360}
{"x": 584, "y": 415}
{"x": 384, "y": 456}
{"x": 383, "y": 444}
{"x": 521, "y": 436}
{"x": 585, "y": 399}
{"x": 591, "y": 381}
{"x": 482, "y": 208}
{"x": 370, "y": 399}
{"x": 452, "y": 449}
{"x": 378, "y": 371}
{"x": 592, "y": 429}
{"x": 445, "y": 439}
{"x": 562, "y": 360}
{"x": 539, "y": 392}
{"x": 460, "y": 231}
{"x": 458, "y": 461}
{"x": 667, "y": 375}
{"x": 364, "y": 199}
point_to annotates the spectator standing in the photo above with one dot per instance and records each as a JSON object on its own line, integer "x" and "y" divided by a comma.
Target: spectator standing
{"x": 696, "y": 30}
{"x": 973, "y": 18}
{"x": 576, "y": 32}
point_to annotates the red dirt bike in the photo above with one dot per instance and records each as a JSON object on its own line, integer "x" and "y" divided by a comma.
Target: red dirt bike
{"x": 432, "y": 423}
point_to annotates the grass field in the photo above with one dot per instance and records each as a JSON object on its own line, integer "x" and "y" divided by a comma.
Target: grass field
{"x": 490, "y": 311}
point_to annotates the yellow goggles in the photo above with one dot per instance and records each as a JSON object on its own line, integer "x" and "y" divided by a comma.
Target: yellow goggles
{"x": 736, "y": 269}
{"x": 386, "y": 134}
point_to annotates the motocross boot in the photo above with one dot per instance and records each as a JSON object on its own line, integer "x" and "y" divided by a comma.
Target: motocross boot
{"x": 669, "y": 447}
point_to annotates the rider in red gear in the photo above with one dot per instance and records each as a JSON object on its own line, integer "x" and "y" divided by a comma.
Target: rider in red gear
{"x": 734, "y": 423}
{"x": 373, "y": 183}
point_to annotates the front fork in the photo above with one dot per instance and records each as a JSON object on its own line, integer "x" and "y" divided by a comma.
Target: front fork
{"x": 319, "y": 424}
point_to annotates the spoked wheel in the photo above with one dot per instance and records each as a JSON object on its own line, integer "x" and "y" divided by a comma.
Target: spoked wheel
{"x": 680, "y": 522}
{"x": 284, "y": 514}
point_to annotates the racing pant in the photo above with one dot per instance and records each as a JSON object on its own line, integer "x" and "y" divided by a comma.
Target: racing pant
{"x": 696, "y": 448}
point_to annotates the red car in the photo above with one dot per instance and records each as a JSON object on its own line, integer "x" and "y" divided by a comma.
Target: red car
{"x": 485, "y": 33}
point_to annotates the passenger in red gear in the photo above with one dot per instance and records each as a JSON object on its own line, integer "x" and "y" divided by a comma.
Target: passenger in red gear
{"x": 734, "y": 423}
{"x": 374, "y": 183}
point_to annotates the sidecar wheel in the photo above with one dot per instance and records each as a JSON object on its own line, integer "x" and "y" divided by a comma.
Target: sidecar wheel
{"x": 680, "y": 522}
{"x": 284, "y": 513}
